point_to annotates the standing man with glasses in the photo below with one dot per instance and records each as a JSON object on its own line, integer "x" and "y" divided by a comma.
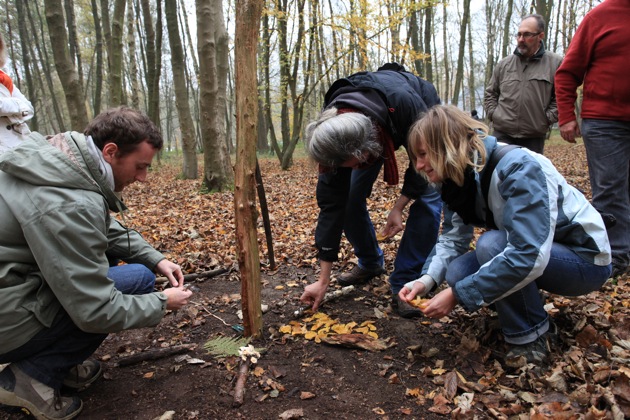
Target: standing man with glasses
{"x": 520, "y": 100}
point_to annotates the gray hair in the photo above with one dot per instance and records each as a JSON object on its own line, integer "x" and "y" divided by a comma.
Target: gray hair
{"x": 334, "y": 138}
{"x": 540, "y": 21}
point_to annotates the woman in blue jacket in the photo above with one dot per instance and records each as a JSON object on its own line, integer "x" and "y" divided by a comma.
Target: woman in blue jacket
{"x": 543, "y": 233}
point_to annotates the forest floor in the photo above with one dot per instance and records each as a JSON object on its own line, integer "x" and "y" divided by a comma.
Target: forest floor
{"x": 425, "y": 368}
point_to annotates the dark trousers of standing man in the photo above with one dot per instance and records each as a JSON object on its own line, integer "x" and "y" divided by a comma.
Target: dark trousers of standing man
{"x": 536, "y": 144}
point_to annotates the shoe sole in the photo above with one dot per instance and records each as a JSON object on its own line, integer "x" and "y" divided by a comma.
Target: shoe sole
{"x": 10, "y": 399}
{"x": 83, "y": 386}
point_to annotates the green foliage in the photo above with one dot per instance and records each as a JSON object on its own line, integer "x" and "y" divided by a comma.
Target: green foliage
{"x": 226, "y": 346}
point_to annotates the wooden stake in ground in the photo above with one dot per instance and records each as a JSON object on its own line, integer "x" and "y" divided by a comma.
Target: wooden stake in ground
{"x": 248, "y": 14}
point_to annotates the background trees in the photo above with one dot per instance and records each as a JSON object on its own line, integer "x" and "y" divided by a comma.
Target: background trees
{"x": 73, "y": 58}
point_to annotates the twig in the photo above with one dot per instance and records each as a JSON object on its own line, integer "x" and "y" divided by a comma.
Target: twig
{"x": 206, "y": 309}
{"x": 154, "y": 354}
{"x": 239, "y": 388}
{"x": 195, "y": 276}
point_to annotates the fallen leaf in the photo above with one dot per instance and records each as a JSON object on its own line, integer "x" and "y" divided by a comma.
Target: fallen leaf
{"x": 360, "y": 341}
{"x": 305, "y": 395}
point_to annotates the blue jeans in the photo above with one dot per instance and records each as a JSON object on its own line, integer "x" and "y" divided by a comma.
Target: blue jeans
{"x": 357, "y": 225}
{"x": 608, "y": 155}
{"x": 52, "y": 352}
{"x": 521, "y": 314}
{"x": 419, "y": 237}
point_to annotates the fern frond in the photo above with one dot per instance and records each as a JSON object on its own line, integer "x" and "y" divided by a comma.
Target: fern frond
{"x": 226, "y": 346}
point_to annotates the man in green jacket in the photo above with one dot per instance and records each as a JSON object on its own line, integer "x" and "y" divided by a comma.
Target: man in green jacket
{"x": 59, "y": 296}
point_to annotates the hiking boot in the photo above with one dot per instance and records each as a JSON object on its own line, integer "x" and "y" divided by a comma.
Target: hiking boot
{"x": 43, "y": 402}
{"x": 618, "y": 271}
{"x": 404, "y": 309}
{"x": 359, "y": 275}
{"x": 81, "y": 376}
{"x": 536, "y": 352}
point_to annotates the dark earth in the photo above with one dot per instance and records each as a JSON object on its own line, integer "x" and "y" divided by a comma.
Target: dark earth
{"x": 433, "y": 369}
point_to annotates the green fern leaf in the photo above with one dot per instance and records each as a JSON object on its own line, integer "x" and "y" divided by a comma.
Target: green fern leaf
{"x": 226, "y": 346}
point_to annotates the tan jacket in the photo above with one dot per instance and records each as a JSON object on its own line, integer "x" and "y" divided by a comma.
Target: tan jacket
{"x": 520, "y": 100}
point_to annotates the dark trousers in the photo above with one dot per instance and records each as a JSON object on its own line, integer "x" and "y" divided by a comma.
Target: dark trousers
{"x": 536, "y": 144}
{"x": 52, "y": 352}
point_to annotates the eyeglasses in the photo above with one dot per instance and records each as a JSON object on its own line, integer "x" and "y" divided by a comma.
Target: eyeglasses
{"x": 526, "y": 35}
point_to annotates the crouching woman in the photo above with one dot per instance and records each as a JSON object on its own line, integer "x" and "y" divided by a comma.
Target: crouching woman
{"x": 543, "y": 233}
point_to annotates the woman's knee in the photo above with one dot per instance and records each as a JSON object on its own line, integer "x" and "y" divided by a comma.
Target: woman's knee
{"x": 489, "y": 245}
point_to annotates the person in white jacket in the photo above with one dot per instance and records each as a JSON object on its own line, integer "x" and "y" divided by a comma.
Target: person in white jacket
{"x": 15, "y": 109}
{"x": 542, "y": 232}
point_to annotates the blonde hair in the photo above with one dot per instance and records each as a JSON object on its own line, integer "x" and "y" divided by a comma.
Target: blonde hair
{"x": 452, "y": 141}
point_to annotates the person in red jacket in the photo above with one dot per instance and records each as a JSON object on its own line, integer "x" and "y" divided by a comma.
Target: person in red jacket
{"x": 597, "y": 58}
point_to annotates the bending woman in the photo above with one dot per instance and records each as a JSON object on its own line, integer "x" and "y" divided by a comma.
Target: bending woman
{"x": 543, "y": 233}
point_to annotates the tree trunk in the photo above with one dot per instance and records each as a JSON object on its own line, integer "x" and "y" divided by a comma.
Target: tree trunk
{"x": 98, "y": 50}
{"x": 471, "y": 71}
{"x": 44, "y": 60}
{"x": 212, "y": 62}
{"x": 460, "y": 56}
{"x": 26, "y": 62}
{"x": 115, "y": 54}
{"x": 246, "y": 42}
{"x": 507, "y": 29}
{"x": 189, "y": 169}
{"x": 447, "y": 76}
{"x": 428, "y": 31}
{"x": 68, "y": 76}
{"x": 153, "y": 58}
{"x": 75, "y": 51}
{"x": 133, "y": 62}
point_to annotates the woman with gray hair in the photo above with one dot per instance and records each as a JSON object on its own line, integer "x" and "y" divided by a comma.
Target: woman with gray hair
{"x": 15, "y": 109}
{"x": 365, "y": 120}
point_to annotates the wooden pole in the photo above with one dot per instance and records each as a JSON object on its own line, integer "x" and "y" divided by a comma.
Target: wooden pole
{"x": 248, "y": 13}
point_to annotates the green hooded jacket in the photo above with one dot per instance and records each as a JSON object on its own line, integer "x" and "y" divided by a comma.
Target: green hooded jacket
{"x": 55, "y": 236}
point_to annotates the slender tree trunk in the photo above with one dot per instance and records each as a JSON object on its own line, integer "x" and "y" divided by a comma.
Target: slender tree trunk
{"x": 153, "y": 61}
{"x": 189, "y": 169}
{"x": 507, "y": 29}
{"x": 428, "y": 31}
{"x": 247, "y": 29}
{"x": 98, "y": 49}
{"x": 133, "y": 58}
{"x": 447, "y": 87}
{"x": 67, "y": 72}
{"x": 26, "y": 62}
{"x": 115, "y": 54}
{"x": 459, "y": 77}
{"x": 471, "y": 71}
{"x": 75, "y": 51}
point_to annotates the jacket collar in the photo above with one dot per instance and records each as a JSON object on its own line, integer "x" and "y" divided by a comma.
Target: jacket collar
{"x": 541, "y": 51}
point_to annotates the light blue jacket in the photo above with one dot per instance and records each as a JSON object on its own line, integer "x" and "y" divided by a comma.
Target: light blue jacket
{"x": 535, "y": 206}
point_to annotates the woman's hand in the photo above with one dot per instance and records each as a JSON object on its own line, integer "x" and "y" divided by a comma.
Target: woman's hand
{"x": 441, "y": 305}
{"x": 407, "y": 295}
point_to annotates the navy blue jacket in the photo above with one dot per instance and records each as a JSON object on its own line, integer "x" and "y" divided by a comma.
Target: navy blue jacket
{"x": 392, "y": 97}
